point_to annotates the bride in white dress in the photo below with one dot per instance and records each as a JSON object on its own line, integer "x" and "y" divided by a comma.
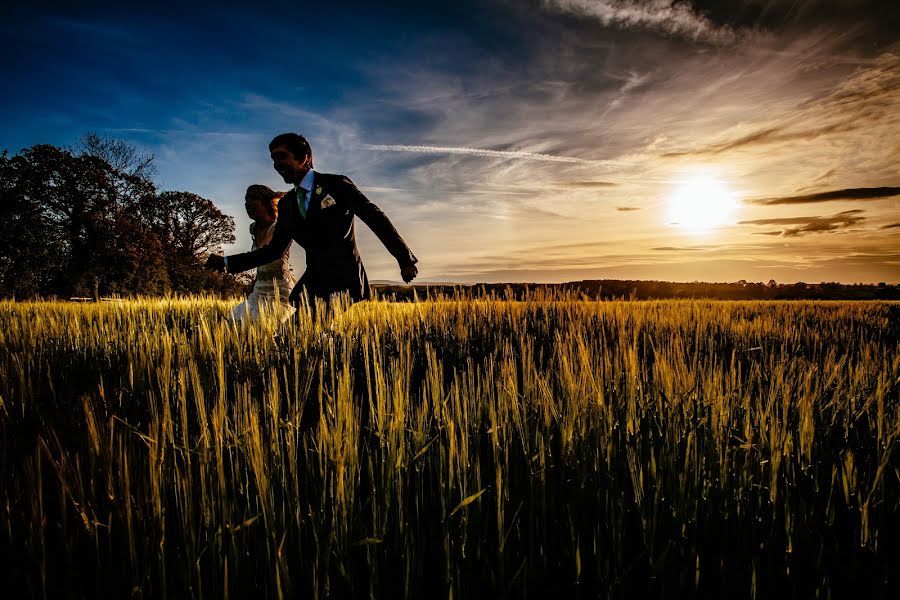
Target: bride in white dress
{"x": 262, "y": 206}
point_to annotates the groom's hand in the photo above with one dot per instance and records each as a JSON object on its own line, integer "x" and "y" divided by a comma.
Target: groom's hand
{"x": 409, "y": 273}
{"x": 215, "y": 262}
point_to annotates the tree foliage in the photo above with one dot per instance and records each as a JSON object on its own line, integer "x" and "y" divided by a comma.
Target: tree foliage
{"x": 90, "y": 221}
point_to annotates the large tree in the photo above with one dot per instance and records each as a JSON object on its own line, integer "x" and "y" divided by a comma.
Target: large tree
{"x": 26, "y": 262}
{"x": 59, "y": 214}
{"x": 189, "y": 227}
{"x": 89, "y": 221}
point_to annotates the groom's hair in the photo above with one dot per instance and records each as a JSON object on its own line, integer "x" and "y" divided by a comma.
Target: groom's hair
{"x": 294, "y": 142}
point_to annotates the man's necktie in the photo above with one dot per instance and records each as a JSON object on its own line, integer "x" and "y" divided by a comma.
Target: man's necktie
{"x": 301, "y": 201}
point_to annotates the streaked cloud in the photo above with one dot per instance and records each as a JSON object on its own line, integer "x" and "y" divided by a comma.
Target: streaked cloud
{"x": 382, "y": 190}
{"x": 772, "y": 135}
{"x": 832, "y": 195}
{"x": 671, "y": 17}
{"x": 491, "y": 154}
{"x": 589, "y": 184}
{"x": 806, "y": 225}
{"x": 857, "y": 110}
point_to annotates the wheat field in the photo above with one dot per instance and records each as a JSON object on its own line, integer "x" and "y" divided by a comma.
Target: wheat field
{"x": 451, "y": 447}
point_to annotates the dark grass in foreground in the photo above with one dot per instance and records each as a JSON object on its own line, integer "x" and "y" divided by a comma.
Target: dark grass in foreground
{"x": 451, "y": 449}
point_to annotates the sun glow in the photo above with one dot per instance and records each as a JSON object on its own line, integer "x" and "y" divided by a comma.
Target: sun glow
{"x": 702, "y": 203}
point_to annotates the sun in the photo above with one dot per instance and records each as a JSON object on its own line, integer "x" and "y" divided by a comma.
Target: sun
{"x": 702, "y": 203}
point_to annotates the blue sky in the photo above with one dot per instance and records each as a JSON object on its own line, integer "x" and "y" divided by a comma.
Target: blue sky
{"x": 545, "y": 140}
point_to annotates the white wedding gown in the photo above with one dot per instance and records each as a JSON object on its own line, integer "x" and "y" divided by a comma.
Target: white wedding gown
{"x": 275, "y": 276}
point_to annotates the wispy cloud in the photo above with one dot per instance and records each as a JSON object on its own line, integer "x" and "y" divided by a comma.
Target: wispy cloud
{"x": 627, "y": 208}
{"x": 492, "y": 154}
{"x": 806, "y": 225}
{"x": 678, "y": 249}
{"x": 589, "y": 184}
{"x": 874, "y": 193}
{"x": 836, "y": 128}
{"x": 773, "y": 135}
{"x": 382, "y": 190}
{"x": 672, "y": 17}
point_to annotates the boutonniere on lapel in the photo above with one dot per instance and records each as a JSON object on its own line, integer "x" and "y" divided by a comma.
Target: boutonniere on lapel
{"x": 328, "y": 201}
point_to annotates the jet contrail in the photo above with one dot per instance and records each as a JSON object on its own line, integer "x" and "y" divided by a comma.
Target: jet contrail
{"x": 491, "y": 153}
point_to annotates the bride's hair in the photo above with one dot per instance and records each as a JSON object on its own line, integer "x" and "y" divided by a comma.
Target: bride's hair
{"x": 266, "y": 195}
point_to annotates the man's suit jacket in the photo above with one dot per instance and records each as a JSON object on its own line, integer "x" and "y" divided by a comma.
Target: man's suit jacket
{"x": 326, "y": 234}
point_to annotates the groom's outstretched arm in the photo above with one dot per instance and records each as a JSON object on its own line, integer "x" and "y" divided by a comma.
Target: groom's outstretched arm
{"x": 281, "y": 239}
{"x": 377, "y": 221}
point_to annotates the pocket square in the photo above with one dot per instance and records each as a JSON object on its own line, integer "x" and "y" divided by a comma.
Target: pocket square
{"x": 328, "y": 201}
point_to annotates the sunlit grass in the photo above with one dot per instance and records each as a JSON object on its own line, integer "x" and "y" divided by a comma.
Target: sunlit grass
{"x": 449, "y": 447}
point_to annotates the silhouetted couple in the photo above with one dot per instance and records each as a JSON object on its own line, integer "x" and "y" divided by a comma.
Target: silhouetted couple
{"x": 318, "y": 213}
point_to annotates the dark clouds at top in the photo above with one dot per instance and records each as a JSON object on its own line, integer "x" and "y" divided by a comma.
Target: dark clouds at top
{"x": 883, "y": 16}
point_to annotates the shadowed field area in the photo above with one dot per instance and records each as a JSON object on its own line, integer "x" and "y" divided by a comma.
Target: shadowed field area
{"x": 451, "y": 447}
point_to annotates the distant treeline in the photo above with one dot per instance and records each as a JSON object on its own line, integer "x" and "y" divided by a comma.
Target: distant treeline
{"x": 90, "y": 221}
{"x": 652, "y": 290}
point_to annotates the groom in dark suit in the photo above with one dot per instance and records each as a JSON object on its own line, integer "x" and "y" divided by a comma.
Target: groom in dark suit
{"x": 318, "y": 214}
